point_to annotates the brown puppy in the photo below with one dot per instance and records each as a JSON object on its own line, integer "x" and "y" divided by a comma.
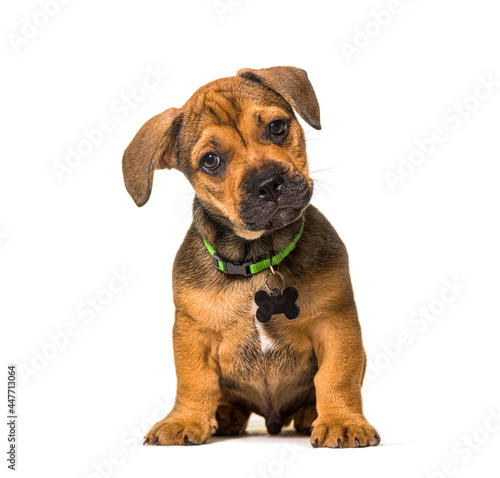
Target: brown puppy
{"x": 238, "y": 142}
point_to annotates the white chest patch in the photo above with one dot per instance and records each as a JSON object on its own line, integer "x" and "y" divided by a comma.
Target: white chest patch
{"x": 266, "y": 344}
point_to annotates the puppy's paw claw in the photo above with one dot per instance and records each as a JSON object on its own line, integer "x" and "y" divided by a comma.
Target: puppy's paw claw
{"x": 188, "y": 442}
{"x": 348, "y": 432}
{"x": 179, "y": 431}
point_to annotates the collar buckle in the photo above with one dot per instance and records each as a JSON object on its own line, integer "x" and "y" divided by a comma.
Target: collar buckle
{"x": 232, "y": 267}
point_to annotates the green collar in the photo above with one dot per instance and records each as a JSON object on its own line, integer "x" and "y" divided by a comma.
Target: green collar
{"x": 249, "y": 268}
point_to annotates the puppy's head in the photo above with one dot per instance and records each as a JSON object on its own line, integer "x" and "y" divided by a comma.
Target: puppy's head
{"x": 238, "y": 142}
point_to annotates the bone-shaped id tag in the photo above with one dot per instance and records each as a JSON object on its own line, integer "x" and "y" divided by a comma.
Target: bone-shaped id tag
{"x": 276, "y": 302}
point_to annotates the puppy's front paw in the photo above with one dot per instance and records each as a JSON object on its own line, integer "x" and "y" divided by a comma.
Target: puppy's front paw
{"x": 179, "y": 430}
{"x": 343, "y": 432}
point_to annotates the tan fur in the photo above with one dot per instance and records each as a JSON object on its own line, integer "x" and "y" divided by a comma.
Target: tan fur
{"x": 310, "y": 369}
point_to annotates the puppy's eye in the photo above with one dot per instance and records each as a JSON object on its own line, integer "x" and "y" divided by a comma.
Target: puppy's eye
{"x": 277, "y": 127}
{"x": 210, "y": 161}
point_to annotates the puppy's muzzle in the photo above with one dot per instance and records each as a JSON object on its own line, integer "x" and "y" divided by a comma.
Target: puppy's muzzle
{"x": 273, "y": 198}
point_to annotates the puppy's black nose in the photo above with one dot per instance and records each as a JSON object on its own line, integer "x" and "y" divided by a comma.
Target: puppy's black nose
{"x": 269, "y": 186}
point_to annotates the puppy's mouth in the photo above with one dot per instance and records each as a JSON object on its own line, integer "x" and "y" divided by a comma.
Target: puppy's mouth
{"x": 268, "y": 212}
{"x": 282, "y": 217}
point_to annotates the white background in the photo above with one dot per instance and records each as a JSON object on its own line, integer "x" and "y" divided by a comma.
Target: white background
{"x": 62, "y": 238}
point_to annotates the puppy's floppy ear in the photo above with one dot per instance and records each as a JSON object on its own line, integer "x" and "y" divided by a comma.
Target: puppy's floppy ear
{"x": 293, "y": 85}
{"x": 153, "y": 147}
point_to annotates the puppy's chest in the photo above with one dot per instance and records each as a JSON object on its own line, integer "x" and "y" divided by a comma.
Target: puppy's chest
{"x": 236, "y": 315}
{"x": 266, "y": 353}
{"x": 250, "y": 350}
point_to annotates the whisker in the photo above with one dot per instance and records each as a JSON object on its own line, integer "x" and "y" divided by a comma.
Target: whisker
{"x": 318, "y": 193}
{"x": 323, "y": 183}
{"x": 319, "y": 188}
{"x": 322, "y": 170}
{"x": 326, "y": 187}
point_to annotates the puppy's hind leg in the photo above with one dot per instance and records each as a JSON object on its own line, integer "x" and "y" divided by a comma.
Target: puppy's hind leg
{"x": 304, "y": 418}
{"x": 232, "y": 419}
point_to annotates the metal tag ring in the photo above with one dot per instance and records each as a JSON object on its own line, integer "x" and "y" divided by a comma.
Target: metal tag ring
{"x": 276, "y": 273}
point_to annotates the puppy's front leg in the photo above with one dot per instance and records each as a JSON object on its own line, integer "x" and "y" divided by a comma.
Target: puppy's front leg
{"x": 192, "y": 420}
{"x": 339, "y": 349}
